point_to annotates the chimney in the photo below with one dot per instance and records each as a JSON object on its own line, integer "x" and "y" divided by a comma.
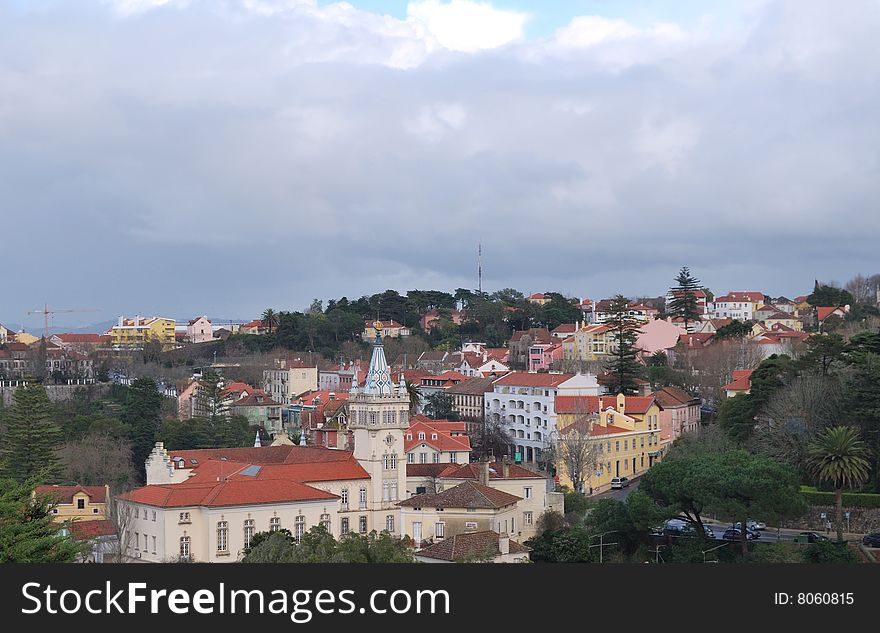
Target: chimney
{"x": 504, "y": 544}
{"x": 484, "y": 471}
{"x": 121, "y": 319}
{"x": 505, "y": 467}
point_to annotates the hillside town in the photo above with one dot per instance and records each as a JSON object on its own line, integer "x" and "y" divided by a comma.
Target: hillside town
{"x": 457, "y": 427}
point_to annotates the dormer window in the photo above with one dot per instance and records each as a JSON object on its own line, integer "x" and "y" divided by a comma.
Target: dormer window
{"x": 421, "y": 436}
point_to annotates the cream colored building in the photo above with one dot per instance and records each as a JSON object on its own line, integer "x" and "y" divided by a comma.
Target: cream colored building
{"x": 533, "y": 489}
{"x": 205, "y": 505}
{"x": 77, "y": 503}
{"x": 283, "y": 385}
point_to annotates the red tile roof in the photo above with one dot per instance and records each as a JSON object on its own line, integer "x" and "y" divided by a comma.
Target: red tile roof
{"x": 85, "y": 530}
{"x": 741, "y": 380}
{"x": 670, "y": 397}
{"x": 462, "y": 547}
{"x": 225, "y": 493}
{"x": 753, "y": 297}
{"x": 636, "y": 405}
{"x": 469, "y": 494}
{"x": 64, "y": 494}
{"x": 83, "y": 338}
{"x": 825, "y": 312}
{"x": 442, "y": 429}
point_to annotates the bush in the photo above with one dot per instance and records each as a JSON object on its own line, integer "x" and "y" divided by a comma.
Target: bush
{"x": 778, "y": 552}
{"x": 850, "y": 499}
{"x": 830, "y": 552}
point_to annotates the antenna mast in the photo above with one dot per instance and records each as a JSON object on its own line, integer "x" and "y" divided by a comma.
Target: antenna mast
{"x": 480, "y": 268}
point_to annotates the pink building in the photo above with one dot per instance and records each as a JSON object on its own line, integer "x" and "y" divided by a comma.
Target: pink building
{"x": 679, "y": 412}
{"x": 199, "y": 330}
{"x": 542, "y": 355}
{"x": 658, "y": 336}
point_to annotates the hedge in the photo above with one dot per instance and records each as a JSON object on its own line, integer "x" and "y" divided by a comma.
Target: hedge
{"x": 850, "y": 499}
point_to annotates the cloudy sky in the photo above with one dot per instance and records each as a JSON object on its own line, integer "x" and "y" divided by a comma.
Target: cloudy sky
{"x": 181, "y": 157}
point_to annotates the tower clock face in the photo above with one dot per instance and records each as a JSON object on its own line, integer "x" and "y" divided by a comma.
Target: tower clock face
{"x": 389, "y": 439}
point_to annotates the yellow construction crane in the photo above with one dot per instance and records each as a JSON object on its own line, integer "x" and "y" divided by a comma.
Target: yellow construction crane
{"x": 46, "y": 312}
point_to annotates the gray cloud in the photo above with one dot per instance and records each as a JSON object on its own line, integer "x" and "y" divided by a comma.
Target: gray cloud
{"x": 191, "y": 159}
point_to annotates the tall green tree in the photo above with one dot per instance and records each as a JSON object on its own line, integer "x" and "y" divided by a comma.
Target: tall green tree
{"x": 839, "y": 456}
{"x": 623, "y": 367}
{"x": 27, "y": 533}
{"x": 823, "y": 351}
{"x": 862, "y": 395}
{"x": 829, "y": 296}
{"x": 684, "y": 300}
{"x": 440, "y": 406}
{"x": 32, "y": 438}
{"x": 142, "y": 413}
{"x": 270, "y": 320}
{"x": 415, "y": 398}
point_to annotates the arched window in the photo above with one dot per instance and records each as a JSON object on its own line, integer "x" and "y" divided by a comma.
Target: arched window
{"x": 184, "y": 548}
{"x": 299, "y": 527}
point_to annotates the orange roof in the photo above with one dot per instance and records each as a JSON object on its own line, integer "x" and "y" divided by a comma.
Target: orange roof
{"x": 741, "y": 380}
{"x": 64, "y": 494}
{"x": 825, "y": 312}
{"x": 590, "y": 404}
{"x": 84, "y": 530}
{"x": 443, "y": 442}
{"x": 225, "y": 493}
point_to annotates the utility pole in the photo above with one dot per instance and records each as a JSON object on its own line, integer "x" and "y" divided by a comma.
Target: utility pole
{"x": 480, "y": 268}
{"x": 602, "y": 544}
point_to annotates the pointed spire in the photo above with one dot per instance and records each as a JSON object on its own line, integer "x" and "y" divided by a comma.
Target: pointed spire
{"x": 378, "y": 380}
{"x": 257, "y": 443}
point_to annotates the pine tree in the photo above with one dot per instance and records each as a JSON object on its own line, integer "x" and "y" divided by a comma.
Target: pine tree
{"x": 623, "y": 367}
{"x": 141, "y": 413}
{"x": 27, "y": 534}
{"x": 32, "y": 437}
{"x": 684, "y": 300}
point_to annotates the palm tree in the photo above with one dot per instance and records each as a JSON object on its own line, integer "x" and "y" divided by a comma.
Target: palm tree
{"x": 839, "y": 455}
{"x": 415, "y": 398}
{"x": 270, "y": 319}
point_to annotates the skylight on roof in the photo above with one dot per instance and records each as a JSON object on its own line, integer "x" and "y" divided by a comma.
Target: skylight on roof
{"x": 193, "y": 461}
{"x": 251, "y": 471}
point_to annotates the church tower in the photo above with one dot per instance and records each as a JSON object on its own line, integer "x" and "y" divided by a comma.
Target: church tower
{"x": 379, "y": 417}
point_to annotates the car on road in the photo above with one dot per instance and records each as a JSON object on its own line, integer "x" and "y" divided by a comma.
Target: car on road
{"x": 751, "y": 524}
{"x": 811, "y": 537}
{"x": 619, "y": 482}
{"x": 872, "y": 539}
{"x": 733, "y": 534}
{"x": 679, "y": 527}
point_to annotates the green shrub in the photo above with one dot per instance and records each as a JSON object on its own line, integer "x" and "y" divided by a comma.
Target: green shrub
{"x": 830, "y": 552}
{"x": 850, "y": 499}
{"x": 778, "y": 552}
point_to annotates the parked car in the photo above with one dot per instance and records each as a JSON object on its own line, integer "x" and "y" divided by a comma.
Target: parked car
{"x": 749, "y": 529}
{"x": 619, "y": 482}
{"x": 751, "y": 524}
{"x": 733, "y": 534}
{"x": 679, "y": 527}
{"x": 811, "y": 537}
{"x": 872, "y": 539}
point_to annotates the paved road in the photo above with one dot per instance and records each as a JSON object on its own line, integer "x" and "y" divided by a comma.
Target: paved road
{"x": 619, "y": 494}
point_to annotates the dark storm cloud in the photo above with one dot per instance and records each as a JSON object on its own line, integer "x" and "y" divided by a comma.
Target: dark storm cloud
{"x": 191, "y": 159}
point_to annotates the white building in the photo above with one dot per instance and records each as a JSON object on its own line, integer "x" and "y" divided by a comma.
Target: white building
{"x": 199, "y": 330}
{"x": 524, "y": 404}
{"x": 737, "y": 305}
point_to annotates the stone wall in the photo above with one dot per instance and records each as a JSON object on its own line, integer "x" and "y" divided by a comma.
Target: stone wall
{"x": 58, "y": 393}
{"x": 861, "y": 520}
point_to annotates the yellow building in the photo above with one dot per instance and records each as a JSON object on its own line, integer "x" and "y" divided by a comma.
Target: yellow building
{"x": 784, "y": 319}
{"x": 384, "y": 328}
{"x": 78, "y": 503}
{"x": 26, "y": 338}
{"x": 624, "y": 430}
{"x": 137, "y": 332}
{"x": 589, "y": 343}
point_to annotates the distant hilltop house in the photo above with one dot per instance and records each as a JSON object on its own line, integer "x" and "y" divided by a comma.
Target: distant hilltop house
{"x": 136, "y": 332}
{"x": 431, "y": 319}
{"x": 737, "y": 305}
{"x": 199, "y": 330}
{"x": 384, "y": 329}
{"x": 539, "y": 298}
{"x": 257, "y": 326}
{"x": 84, "y": 343}
{"x": 5, "y": 334}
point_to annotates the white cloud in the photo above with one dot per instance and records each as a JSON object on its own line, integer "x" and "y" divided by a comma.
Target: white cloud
{"x": 435, "y": 121}
{"x": 468, "y": 27}
{"x": 134, "y": 7}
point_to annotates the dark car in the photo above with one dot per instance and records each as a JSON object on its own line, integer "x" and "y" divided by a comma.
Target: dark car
{"x": 872, "y": 539}
{"x": 811, "y": 537}
{"x": 733, "y": 534}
